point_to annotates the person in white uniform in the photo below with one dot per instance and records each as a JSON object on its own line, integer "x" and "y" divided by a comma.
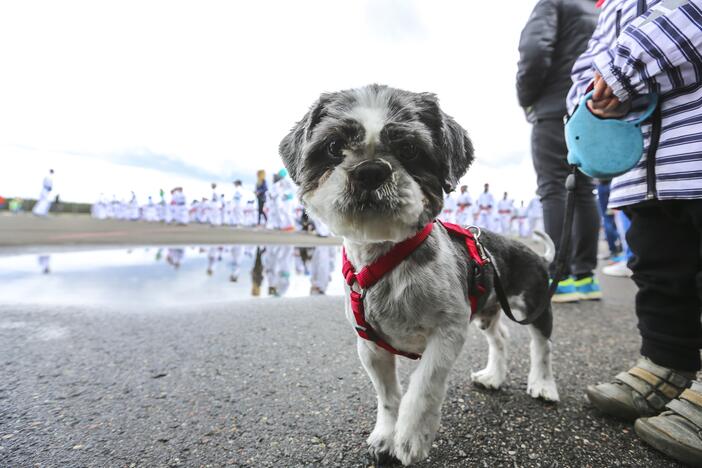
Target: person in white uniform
{"x": 149, "y": 211}
{"x": 272, "y": 218}
{"x": 505, "y": 208}
{"x": 464, "y": 215}
{"x": 215, "y": 212}
{"x": 448, "y": 213}
{"x": 521, "y": 220}
{"x": 485, "y": 204}
{"x": 535, "y": 216}
{"x": 180, "y": 207}
{"x": 133, "y": 208}
{"x": 43, "y": 204}
{"x": 286, "y": 201}
{"x": 238, "y": 204}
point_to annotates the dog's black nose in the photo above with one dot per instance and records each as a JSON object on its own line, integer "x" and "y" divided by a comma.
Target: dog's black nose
{"x": 371, "y": 174}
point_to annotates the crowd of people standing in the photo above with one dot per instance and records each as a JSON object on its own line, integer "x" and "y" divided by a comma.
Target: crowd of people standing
{"x": 501, "y": 216}
{"x": 272, "y": 206}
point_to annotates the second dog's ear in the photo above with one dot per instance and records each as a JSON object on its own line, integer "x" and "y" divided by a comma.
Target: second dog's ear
{"x": 454, "y": 146}
{"x": 291, "y": 146}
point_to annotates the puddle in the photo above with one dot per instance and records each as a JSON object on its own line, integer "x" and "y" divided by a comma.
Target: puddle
{"x": 153, "y": 277}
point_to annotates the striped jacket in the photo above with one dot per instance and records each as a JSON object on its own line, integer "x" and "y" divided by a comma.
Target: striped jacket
{"x": 660, "y": 51}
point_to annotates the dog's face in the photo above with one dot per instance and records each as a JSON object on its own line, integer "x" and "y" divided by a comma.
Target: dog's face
{"x": 373, "y": 162}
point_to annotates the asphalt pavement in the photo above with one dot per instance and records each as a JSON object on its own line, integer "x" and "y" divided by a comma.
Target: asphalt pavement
{"x": 277, "y": 383}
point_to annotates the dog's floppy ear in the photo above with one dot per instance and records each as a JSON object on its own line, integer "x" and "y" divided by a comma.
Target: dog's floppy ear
{"x": 454, "y": 147}
{"x": 291, "y": 146}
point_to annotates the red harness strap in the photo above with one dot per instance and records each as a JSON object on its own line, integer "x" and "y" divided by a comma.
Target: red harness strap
{"x": 371, "y": 274}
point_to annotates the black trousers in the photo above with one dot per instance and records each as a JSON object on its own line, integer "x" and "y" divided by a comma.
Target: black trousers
{"x": 549, "y": 152}
{"x": 666, "y": 240}
{"x": 261, "y": 212}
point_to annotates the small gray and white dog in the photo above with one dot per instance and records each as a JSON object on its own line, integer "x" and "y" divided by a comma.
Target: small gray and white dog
{"x": 373, "y": 163}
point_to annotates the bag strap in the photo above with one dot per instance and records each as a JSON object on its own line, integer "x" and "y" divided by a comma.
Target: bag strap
{"x": 652, "y": 104}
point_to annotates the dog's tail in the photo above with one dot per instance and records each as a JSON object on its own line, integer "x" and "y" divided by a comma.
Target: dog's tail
{"x": 550, "y": 252}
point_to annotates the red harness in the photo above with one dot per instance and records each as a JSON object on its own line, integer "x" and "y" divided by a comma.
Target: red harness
{"x": 371, "y": 274}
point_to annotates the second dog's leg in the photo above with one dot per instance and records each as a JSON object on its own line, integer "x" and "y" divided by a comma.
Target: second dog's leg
{"x": 380, "y": 366}
{"x": 495, "y": 372}
{"x": 541, "y": 383}
{"x": 420, "y": 409}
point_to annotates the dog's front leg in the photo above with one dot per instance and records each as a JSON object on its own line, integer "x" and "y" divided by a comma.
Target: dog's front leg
{"x": 420, "y": 409}
{"x": 380, "y": 366}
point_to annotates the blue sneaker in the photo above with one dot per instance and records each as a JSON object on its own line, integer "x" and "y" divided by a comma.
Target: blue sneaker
{"x": 566, "y": 291}
{"x": 588, "y": 288}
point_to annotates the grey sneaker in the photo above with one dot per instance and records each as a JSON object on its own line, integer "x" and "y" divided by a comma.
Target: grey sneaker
{"x": 677, "y": 432}
{"x": 643, "y": 390}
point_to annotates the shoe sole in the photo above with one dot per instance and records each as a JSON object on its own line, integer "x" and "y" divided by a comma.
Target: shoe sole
{"x": 565, "y": 297}
{"x": 663, "y": 442}
{"x": 591, "y": 296}
{"x": 610, "y": 406}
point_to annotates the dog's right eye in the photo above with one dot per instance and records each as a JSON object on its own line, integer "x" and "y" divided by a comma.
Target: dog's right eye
{"x": 335, "y": 149}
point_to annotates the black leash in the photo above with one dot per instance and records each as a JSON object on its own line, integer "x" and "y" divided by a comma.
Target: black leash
{"x": 562, "y": 257}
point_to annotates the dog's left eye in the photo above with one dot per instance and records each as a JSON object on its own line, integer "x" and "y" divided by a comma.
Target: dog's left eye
{"x": 335, "y": 148}
{"x": 408, "y": 151}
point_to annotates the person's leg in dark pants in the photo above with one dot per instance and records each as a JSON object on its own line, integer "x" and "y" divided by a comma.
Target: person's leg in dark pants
{"x": 667, "y": 250}
{"x": 549, "y": 153}
{"x": 261, "y": 212}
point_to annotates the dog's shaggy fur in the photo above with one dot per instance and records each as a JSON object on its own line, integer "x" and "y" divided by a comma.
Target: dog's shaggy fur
{"x": 374, "y": 163}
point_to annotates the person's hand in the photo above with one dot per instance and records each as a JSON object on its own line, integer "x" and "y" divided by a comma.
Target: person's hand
{"x": 604, "y": 103}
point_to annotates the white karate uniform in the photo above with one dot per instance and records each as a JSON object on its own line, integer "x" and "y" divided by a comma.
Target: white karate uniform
{"x": 272, "y": 207}
{"x": 238, "y": 207}
{"x": 485, "y": 204}
{"x": 286, "y": 203}
{"x": 535, "y": 216}
{"x": 214, "y": 210}
{"x": 43, "y": 204}
{"x": 133, "y": 209}
{"x": 505, "y": 208}
{"x": 522, "y": 225}
{"x": 464, "y": 215}
{"x": 181, "y": 213}
{"x": 448, "y": 212}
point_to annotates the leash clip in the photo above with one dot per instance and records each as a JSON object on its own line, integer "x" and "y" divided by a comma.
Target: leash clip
{"x": 475, "y": 230}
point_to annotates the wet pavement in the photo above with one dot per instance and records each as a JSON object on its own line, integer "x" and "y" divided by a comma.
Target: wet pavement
{"x": 204, "y": 374}
{"x": 152, "y": 277}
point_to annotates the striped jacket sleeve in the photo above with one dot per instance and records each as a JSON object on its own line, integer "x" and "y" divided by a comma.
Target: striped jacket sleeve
{"x": 652, "y": 51}
{"x": 582, "y": 72}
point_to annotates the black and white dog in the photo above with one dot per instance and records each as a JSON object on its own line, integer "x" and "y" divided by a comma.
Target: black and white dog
{"x": 373, "y": 163}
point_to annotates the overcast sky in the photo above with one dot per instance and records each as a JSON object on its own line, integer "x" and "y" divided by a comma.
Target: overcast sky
{"x": 139, "y": 95}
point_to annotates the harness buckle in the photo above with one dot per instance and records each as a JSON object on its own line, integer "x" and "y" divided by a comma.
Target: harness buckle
{"x": 360, "y": 291}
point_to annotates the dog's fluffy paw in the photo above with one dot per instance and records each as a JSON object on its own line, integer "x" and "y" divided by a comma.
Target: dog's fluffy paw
{"x": 380, "y": 444}
{"x": 544, "y": 389}
{"x": 488, "y": 378}
{"x": 411, "y": 447}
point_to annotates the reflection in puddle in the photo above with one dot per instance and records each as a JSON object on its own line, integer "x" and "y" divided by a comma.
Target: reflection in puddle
{"x": 171, "y": 275}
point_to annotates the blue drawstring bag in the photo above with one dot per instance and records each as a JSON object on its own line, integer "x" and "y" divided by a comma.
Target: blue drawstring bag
{"x": 605, "y": 148}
